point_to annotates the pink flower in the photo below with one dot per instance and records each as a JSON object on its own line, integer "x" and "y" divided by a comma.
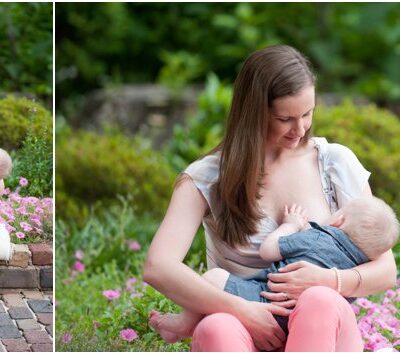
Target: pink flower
{"x": 79, "y": 254}
{"x": 364, "y": 303}
{"x": 111, "y": 294}
{"x": 20, "y": 235}
{"x": 10, "y": 229}
{"x": 79, "y": 266}
{"x": 26, "y": 226}
{"x": 355, "y": 308}
{"x": 134, "y": 245}
{"x": 23, "y": 182}
{"x": 128, "y": 334}
{"x": 66, "y": 338}
{"x": 390, "y": 294}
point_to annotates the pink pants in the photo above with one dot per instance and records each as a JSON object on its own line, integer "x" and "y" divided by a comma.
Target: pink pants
{"x": 322, "y": 321}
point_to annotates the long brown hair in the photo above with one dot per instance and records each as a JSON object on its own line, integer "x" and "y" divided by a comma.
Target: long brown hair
{"x": 266, "y": 74}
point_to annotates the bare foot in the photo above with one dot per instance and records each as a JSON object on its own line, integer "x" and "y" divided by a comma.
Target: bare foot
{"x": 170, "y": 327}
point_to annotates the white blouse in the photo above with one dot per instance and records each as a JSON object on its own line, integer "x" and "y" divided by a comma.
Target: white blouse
{"x": 343, "y": 179}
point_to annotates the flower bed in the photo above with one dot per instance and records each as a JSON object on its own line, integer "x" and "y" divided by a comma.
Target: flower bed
{"x": 27, "y": 219}
{"x": 379, "y": 320}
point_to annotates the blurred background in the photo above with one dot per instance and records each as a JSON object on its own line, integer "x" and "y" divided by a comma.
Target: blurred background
{"x": 143, "y": 89}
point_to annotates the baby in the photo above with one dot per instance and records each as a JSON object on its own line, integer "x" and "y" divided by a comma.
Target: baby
{"x": 362, "y": 230}
{"x": 5, "y": 170}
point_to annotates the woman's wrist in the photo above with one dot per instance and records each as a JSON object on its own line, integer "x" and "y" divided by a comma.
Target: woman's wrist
{"x": 329, "y": 279}
{"x": 351, "y": 282}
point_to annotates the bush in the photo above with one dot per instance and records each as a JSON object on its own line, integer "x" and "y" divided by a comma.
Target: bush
{"x": 373, "y": 135}
{"x": 94, "y": 169}
{"x": 20, "y": 117}
{"x": 34, "y": 162}
{"x": 27, "y": 48}
{"x": 203, "y": 130}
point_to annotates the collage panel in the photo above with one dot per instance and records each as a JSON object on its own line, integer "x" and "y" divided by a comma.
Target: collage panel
{"x": 26, "y": 177}
{"x": 214, "y": 170}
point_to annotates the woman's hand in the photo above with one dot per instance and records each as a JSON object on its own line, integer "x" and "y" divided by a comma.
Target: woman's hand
{"x": 294, "y": 278}
{"x": 258, "y": 319}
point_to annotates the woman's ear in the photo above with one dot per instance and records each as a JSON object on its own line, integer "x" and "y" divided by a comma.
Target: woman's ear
{"x": 338, "y": 221}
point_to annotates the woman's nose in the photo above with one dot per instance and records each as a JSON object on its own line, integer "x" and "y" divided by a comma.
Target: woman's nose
{"x": 299, "y": 128}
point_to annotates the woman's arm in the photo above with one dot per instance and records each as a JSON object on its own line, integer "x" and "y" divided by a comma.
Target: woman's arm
{"x": 377, "y": 275}
{"x": 165, "y": 271}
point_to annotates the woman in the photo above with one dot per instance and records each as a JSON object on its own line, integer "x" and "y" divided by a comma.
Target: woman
{"x": 266, "y": 160}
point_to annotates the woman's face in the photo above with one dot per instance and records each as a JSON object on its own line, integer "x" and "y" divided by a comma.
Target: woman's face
{"x": 290, "y": 118}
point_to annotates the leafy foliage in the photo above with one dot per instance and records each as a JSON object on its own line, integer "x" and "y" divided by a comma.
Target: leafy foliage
{"x": 94, "y": 168}
{"x": 35, "y": 162}
{"x": 26, "y": 43}
{"x": 204, "y": 129}
{"x": 372, "y": 134}
{"x": 109, "y": 262}
{"x": 221, "y": 36}
{"x": 20, "y": 117}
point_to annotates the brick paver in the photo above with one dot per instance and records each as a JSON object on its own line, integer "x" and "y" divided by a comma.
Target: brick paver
{"x": 42, "y": 254}
{"x": 42, "y": 347}
{"x": 41, "y": 306}
{"x": 13, "y": 300}
{"x": 45, "y": 318}
{"x": 20, "y": 313}
{"x": 28, "y": 325}
{"x": 5, "y": 320}
{"x": 9, "y": 332}
{"x": 26, "y": 321}
{"x": 37, "y": 337}
{"x": 31, "y": 294}
{"x": 16, "y": 345}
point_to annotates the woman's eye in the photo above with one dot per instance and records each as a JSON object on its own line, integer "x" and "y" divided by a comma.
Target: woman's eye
{"x": 284, "y": 119}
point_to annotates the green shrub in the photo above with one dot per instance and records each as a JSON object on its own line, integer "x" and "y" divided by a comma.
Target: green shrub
{"x": 34, "y": 162}
{"x": 27, "y": 48}
{"x": 20, "y": 116}
{"x": 204, "y": 129}
{"x": 373, "y": 135}
{"x": 94, "y": 169}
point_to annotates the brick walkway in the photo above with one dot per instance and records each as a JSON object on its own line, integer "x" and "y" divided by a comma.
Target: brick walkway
{"x": 26, "y": 321}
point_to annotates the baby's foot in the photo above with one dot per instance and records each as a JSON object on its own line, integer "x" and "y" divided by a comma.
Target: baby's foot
{"x": 170, "y": 327}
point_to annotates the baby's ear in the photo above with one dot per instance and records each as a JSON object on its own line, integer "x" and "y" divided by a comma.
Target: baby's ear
{"x": 338, "y": 221}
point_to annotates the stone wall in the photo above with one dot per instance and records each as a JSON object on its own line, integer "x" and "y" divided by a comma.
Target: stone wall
{"x": 31, "y": 267}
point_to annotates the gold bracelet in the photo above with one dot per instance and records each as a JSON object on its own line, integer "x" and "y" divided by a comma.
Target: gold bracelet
{"x": 339, "y": 280}
{"x": 359, "y": 279}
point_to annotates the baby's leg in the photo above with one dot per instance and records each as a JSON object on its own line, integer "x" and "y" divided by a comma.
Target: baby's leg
{"x": 173, "y": 328}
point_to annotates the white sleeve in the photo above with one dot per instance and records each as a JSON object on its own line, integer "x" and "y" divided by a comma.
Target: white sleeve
{"x": 204, "y": 174}
{"x": 5, "y": 245}
{"x": 347, "y": 174}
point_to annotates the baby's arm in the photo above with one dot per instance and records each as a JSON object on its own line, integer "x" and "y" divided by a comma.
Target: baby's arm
{"x": 294, "y": 219}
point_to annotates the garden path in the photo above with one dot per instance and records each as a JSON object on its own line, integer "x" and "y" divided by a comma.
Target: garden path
{"x": 26, "y": 320}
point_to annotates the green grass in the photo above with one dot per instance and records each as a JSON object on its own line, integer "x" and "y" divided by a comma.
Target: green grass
{"x": 83, "y": 311}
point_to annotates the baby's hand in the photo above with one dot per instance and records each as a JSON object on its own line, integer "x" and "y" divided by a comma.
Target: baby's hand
{"x": 295, "y": 215}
